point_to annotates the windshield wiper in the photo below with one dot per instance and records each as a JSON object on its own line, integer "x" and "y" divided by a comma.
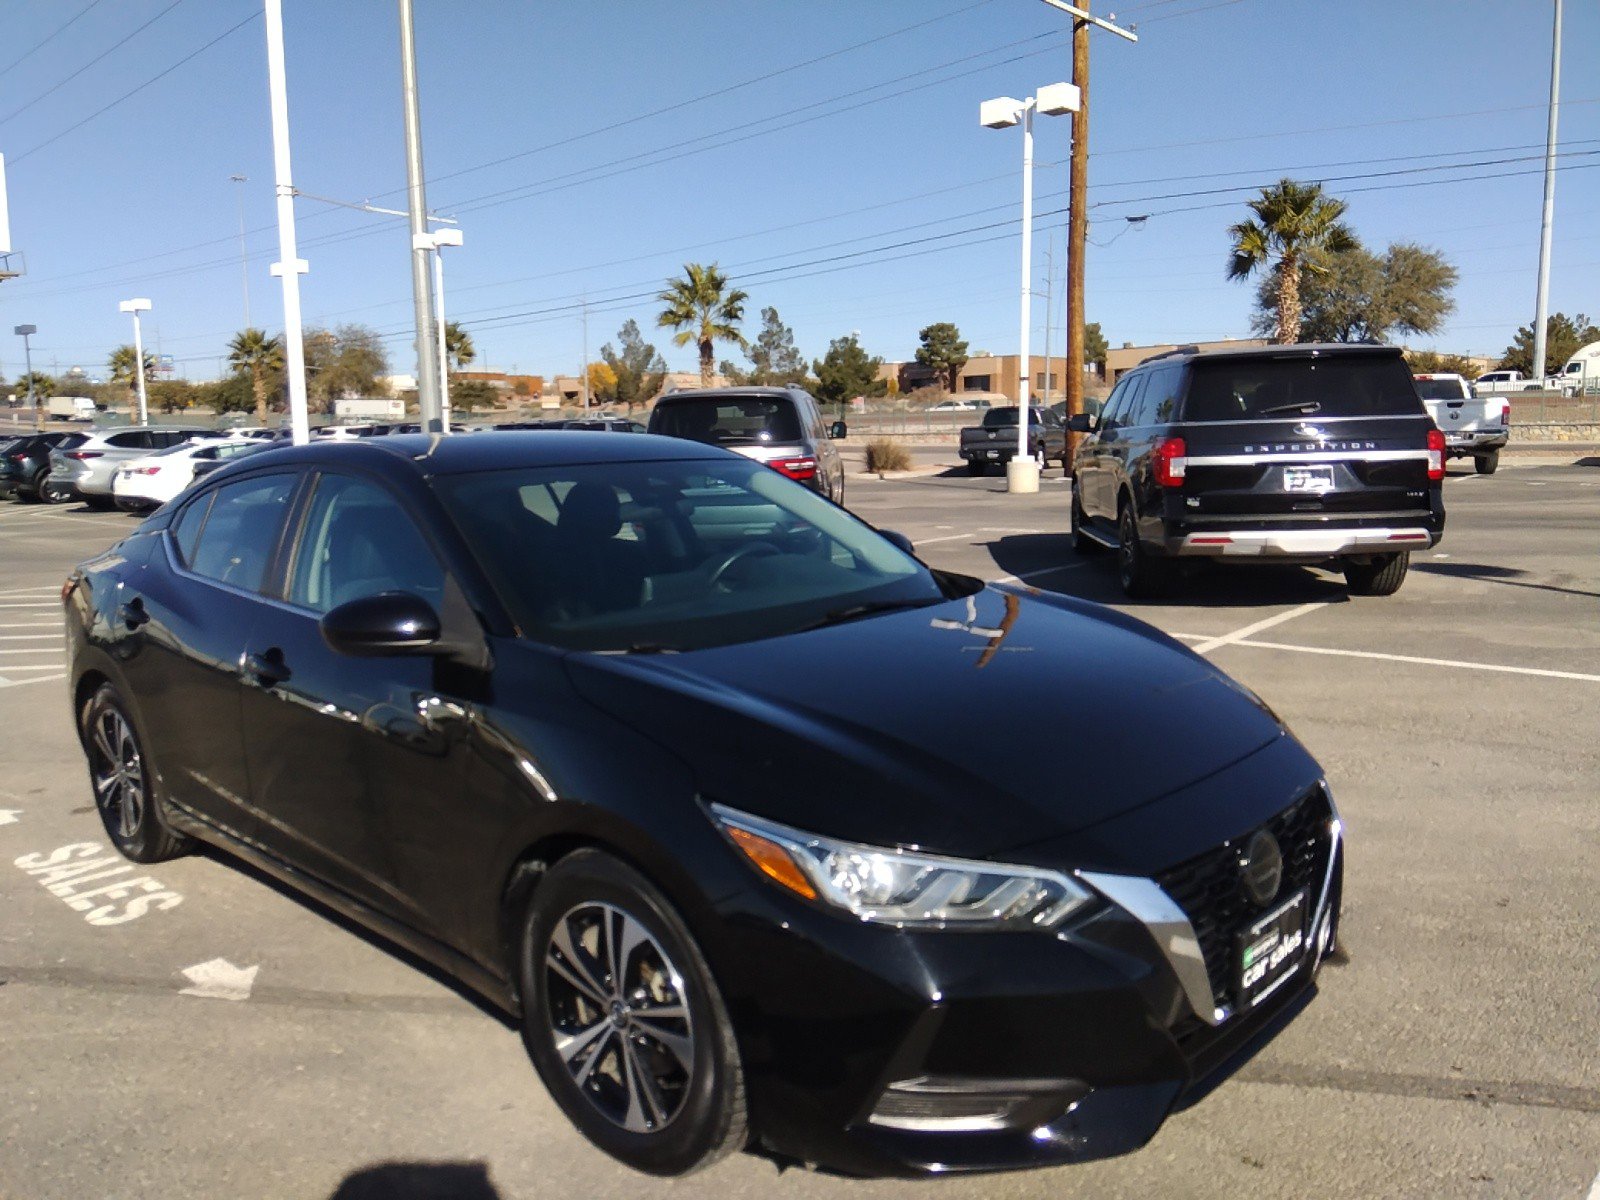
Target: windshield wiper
{"x": 643, "y": 648}
{"x": 1303, "y": 406}
{"x": 855, "y": 612}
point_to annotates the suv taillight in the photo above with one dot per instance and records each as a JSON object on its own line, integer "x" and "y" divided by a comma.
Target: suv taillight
{"x": 80, "y": 455}
{"x": 1170, "y": 460}
{"x": 1505, "y": 416}
{"x": 1435, "y": 456}
{"x": 795, "y": 468}
{"x": 19, "y": 458}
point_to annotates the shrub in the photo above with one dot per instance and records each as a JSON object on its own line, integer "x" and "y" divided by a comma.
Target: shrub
{"x": 886, "y": 454}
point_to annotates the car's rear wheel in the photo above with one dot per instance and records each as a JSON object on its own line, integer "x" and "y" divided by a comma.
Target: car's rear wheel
{"x": 1141, "y": 575}
{"x": 52, "y": 492}
{"x": 1486, "y": 464}
{"x": 624, "y": 1022}
{"x": 1380, "y": 577}
{"x": 98, "y": 502}
{"x": 125, "y": 786}
{"x": 976, "y": 468}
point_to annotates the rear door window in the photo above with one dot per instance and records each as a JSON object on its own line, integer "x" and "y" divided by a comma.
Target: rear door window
{"x": 240, "y": 534}
{"x": 1122, "y": 408}
{"x": 1157, "y": 402}
{"x": 132, "y": 439}
{"x": 1353, "y": 385}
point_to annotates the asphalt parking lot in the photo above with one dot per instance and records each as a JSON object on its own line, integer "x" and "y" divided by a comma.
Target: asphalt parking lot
{"x": 228, "y": 1039}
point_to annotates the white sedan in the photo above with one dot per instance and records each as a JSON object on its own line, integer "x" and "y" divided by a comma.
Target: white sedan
{"x": 151, "y": 481}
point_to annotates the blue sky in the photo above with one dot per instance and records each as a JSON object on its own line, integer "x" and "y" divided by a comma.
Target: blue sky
{"x": 631, "y": 136}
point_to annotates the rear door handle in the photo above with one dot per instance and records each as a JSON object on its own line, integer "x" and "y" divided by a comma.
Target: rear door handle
{"x": 132, "y": 613}
{"x": 266, "y": 669}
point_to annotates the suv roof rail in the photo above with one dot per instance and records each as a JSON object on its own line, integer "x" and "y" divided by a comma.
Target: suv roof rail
{"x": 1176, "y": 350}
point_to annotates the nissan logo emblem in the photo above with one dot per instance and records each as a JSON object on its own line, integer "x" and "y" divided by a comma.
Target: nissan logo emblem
{"x": 1261, "y": 867}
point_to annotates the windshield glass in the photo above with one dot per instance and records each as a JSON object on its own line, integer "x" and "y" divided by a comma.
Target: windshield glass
{"x": 1354, "y": 385}
{"x": 1441, "y": 389}
{"x": 1006, "y": 418}
{"x": 673, "y": 555}
{"x": 728, "y": 420}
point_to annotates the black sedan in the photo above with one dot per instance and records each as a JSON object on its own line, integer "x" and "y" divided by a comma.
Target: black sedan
{"x": 740, "y": 809}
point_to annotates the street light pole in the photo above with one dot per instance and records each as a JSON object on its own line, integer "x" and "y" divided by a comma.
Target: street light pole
{"x": 436, "y": 242}
{"x": 428, "y": 398}
{"x": 1022, "y": 473}
{"x": 290, "y": 266}
{"x": 1541, "y": 306}
{"x": 244, "y": 260}
{"x": 137, "y": 306}
{"x": 25, "y": 332}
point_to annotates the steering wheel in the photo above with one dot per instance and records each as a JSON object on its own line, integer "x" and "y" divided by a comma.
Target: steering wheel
{"x": 762, "y": 548}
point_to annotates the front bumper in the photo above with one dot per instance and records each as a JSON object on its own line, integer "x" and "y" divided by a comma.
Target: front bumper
{"x": 872, "y": 1051}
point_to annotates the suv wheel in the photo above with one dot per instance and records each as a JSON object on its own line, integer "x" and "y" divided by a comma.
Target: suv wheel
{"x": 1380, "y": 577}
{"x": 1485, "y": 464}
{"x": 1142, "y": 575}
{"x": 125, "y": 785}
{"x": 624, "y": 1022}
{"x": 52, "y": 492}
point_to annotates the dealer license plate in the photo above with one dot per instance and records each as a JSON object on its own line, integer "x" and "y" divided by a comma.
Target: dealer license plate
{"x": 993, "y": 453}
{"x": 1307, "y": 479}
{"x": 1270, "y": 949}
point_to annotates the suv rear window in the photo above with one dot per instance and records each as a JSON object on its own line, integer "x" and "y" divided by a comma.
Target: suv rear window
{"x": 1239, "y": 389}
{"x": 1441, "y": 389}
{"x": 729, "y": 420}
{"x": 1006, "y": 418}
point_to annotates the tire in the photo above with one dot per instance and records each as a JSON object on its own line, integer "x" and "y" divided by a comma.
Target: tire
{"x": 1142, "y": 576}
{"x": 691, "y": 1112}
{"x": 976, "y": 468}
{"x": 1486, "y": 464}
{"x": 126, "y": 789}
{"x": 54, "y": 493}
{"x": 1381, "y": 577}
{"x": 99, "y": 503}
{"x": 1081, "y": 541}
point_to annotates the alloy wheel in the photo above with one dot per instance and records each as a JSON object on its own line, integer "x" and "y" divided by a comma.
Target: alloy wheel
{"x": 118, "y": 772}
{"x": 618, "y": 1014}
{"x": 1127, "y": 548}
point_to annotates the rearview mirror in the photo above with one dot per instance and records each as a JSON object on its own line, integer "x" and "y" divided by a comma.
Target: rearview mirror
{"x": 386, "y": 623}
{"x": 838, "y": 430}
{"x": 1083, "y": 422}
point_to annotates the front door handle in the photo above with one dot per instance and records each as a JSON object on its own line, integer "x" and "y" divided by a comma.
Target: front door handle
{"x": 266, "y": 669}
{"x": 133, "y": 614}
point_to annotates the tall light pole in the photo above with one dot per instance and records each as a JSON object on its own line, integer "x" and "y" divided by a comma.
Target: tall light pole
{"x": 290, "y": 266}
{"x": 137, "y": 306}
{"x": 435, "y": 242}
{"x": 25, "y": 332}
{"x": 1541, "y": 316}
{"x": 1053, "y": 100}
{"x": 428, "y": 399}
{"x": 244, "y": 259}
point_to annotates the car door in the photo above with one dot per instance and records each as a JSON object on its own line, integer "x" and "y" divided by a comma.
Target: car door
{"x": 184, "y": 617}
{"x": 334, "y": 741}
{"x": 1100, "y": 497}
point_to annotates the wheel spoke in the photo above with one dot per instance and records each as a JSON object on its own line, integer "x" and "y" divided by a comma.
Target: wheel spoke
{"x": 577, "y": 979}
{"x": 102, "y": 743}
{"x": 679, "y": 1045}
{"x": 631, "y": 936}
{"x": 562, "y": 939}
{"x": 645, "y": 1109}
{"x": 103, "y": 786}
{"x": 569, "y": 1046}
{"x": 129, "y": 810}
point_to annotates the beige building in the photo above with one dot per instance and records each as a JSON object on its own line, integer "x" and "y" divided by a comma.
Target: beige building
{"x": 1127, "y": 356}
{"x": 996, "y": 374}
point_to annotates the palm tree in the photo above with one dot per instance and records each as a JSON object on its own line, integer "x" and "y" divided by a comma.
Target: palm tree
{"x": 458, "y": 347}
{"x": 1295, "y": 228}
{"x": 253, "y": 352}
{"x": 703, "y": 310}
{"x": 124, "y": 364}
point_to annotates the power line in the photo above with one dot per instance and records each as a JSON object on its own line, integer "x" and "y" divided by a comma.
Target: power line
{"x": 48, "y": 38}
{"x": 56, "y": 87}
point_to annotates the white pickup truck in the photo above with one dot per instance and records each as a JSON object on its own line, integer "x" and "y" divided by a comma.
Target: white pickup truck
{"x": 1472, "y": 425}
{"x": 1491, "y": 382}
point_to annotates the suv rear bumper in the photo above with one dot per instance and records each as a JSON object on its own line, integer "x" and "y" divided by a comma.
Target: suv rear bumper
{"x": 1310, "y": 544}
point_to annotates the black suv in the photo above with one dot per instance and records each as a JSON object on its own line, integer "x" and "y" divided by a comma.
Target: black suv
{"x": 25, "y": 466}
{"x": 1318, "y": 454}
{"x": 780, "y": 427}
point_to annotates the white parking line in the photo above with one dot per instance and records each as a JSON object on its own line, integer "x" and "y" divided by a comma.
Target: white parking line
{"x": 34, "y": 604}
{"x": 29, "y": 650}
{"x": 949, "y": 537}
{"x": 1027, "y": 575}
{"x": 1229, "y": 639}
{"x": 30, "y": 625}
{"x": 11, "y": 683}
{"x": 1427, "y": 662}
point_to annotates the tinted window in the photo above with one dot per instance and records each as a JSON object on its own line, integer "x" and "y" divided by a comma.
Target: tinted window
{"x": 241, "y": 531}
{"x": 1441, "y": 389}
{"x": 1129, "y": 402}
{"x": 728, "y": 420}
{"x": 358, "y": 541}
{"x": 186, "y": 529}
{"x": 133, "y": 439}
{"x": 1115, "y": 402}
{"x": 1354, "y": 385}
{"x": 1157, "y": 402}
{"x": 71, "y": 441}
{"x": 1006, "y": 418}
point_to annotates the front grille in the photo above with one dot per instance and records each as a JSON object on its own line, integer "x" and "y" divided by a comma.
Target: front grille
{"x": 1209, "y": 890}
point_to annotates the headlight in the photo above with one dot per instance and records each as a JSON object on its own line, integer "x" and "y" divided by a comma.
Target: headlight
{"x": 903, "y": 887}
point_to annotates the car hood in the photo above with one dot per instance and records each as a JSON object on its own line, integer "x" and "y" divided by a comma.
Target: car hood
{"x": 970, "y": 726}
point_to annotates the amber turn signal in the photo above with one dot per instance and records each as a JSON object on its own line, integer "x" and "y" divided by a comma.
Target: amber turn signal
{"x": 773, "y": 861}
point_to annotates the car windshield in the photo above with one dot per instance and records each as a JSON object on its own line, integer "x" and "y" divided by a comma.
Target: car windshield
{"x": 729, "y": 420}
{"x": 1352, "y": 385}
{"x": 1441, "y": 389}
{"x": 674, "y": 555}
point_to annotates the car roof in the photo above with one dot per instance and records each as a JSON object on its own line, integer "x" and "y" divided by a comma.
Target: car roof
{"x": 1294, "y": 350}
{"x": 429, "y": 454}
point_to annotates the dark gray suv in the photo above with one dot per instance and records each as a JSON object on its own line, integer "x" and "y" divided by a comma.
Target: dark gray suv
{"x": 780, "y": 427}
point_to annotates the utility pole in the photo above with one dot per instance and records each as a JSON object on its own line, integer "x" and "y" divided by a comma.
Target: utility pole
{"x": 1077, "y": 195}
{"x": 244, "y": 259}
{"x": 1541, "y": 317}
{"x": 1049, "y": 311}
{"x": 428, "y": 399}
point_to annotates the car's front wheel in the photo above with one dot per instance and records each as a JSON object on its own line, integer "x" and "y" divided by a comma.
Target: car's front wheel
{"x": 624, "y": 1022}
{"x": 125, "y": 786}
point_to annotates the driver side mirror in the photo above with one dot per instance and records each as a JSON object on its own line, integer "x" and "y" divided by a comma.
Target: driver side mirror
{"x": 838, "y": 430}
{"x": 387, "y": 623}
{"x": 1083, "y": 422}
{"x": 899, "y": 540}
